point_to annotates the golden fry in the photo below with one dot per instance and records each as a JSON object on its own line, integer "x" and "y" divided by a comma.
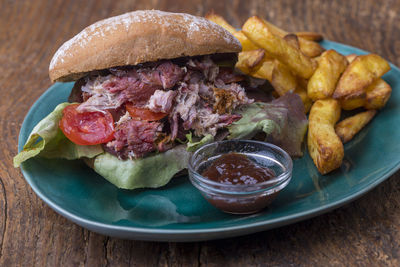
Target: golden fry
{"x": 375, "y": 97}
{"x": 307, "y": 47}
{"x": 361, "y": 73}
{"x": 377, "y": 94}
{"x": 322, "y": 84}
{"x": 249, "y": 59}
{"x": 310, "y": 48}
{"x": 324, "y": 145}
{"x": 293, "y": 40}
{"x": 217, "y": 19}
{"x": 282, "y": 79}
{"x": 353, "y": 103}
{"x": 247, "y": 45}
{"x": 258, "y": 32}
{"x": 311, "y": 36}
{"x": 264, "y": 71}
{"x": 351, "y": 57}
{"x": 349, "y": 127}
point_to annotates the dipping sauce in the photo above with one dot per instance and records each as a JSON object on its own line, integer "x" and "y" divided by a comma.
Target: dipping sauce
{"x": 235, "y": 169}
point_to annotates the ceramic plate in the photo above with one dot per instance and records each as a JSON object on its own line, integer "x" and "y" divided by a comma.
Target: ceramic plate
{"x": 177, "y": 212}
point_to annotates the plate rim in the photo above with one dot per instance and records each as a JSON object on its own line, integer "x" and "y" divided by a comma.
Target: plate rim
{"x": 154, "y": 234}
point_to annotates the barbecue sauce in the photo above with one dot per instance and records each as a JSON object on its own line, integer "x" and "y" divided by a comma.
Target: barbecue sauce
{"x": 235, "y": 169}
{"x": 238, "y": 169}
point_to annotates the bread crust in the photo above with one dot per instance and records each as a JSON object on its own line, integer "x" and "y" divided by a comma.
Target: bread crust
{"x": 138, "y": 37}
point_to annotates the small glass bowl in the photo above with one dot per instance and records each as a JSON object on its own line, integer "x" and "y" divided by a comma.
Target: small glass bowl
{"x": 241, "y": 199}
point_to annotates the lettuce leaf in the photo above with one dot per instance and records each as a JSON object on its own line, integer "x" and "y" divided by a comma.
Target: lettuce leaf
{"x": 282, "y": 120}
{"x": 193, "y": 144}
{"x": 151, "y": 171}
{"x": 47, "y": 140}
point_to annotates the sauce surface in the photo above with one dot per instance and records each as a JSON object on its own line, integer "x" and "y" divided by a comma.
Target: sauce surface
{"x": 237, "y": 169}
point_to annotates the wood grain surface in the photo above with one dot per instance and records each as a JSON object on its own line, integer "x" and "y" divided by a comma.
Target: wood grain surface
{"x": 363, "y": 233}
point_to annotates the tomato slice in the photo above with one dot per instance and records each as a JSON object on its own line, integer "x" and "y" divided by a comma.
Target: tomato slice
{"x": 87, "y": 128}
{"x": 144, "y": 113}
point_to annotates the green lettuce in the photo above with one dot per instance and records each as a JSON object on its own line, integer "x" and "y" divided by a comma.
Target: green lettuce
{"x": 194, "y": 142}
{"x": 48, "y": 141}
{"x": 282, "y": 120}
{"x": 152, "y": 171}
{"x": 253, "y": 121}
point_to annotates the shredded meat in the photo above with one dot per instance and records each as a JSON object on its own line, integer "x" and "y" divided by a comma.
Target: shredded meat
{"x": 134, "y": 138}
{"x": 162, "y": 101}
{"x": 134, "y": 85}
{"x": 197, "y": 95}
{"x": 226, "y": 75}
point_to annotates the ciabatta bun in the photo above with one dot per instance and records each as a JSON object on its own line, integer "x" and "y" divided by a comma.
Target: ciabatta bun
{"x": 138, "y": 37}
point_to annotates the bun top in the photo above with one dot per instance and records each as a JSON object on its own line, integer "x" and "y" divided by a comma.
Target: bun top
{"x": 138, "y": 37}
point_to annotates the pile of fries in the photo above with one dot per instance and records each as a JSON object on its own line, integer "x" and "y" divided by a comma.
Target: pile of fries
{"x": 326, "y": 81}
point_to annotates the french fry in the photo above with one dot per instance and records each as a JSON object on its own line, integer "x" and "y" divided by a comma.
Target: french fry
{"x": 353, "y": 103}
{"x": 275, "y": 29}
{"x": 351, "y": 57}
{"x": 247, "y": 45}
{"x": 217, "y": 19}
{"x": 247, "y": 60}
{"x": 309, "y": 48}
{"x": 311, "y": 36}
{"x": 293, "y": 40}
{"x": 361, "y": 73}
{"x": 282, "y": 79}
{"x": 322, "y": 84}
{"x": 377, "y": 94}
{"x": 324, "y": 145}
{"x": 349, "y": 127}
{"x": 264, "y": 71}
{"x": 258, "y": 32}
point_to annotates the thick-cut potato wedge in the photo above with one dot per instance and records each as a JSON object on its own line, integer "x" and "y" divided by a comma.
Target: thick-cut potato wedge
{"x": 377, "y": 94}
{"x": 258, "y": 32}
{"x": 282, "y": 79}
{"x": 309, "y": 48}
{"x": 352, "y": 103}
{"x": 349, "y": 127}
{"x": 324, "y": 145}
{"x": 351, "y": 57}
{"x": 362, "y": 72}
{"x": 322, "y": 84}
{"x": 275, "y": 29}
{"x": 247, "y": 60}
{"x": 311, "y": 36}
{"x": 247, "y": 45}
{"x": 264, "y": 71}
{"x": 292, "y": 39}
{"x": 217, "y": 19}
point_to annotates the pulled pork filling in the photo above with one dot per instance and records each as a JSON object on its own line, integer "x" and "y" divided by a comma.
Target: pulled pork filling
{"x": 196, "y": 95}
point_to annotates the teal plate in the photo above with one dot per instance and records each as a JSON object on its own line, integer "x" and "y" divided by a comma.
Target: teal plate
{"x": 177, "y": 212}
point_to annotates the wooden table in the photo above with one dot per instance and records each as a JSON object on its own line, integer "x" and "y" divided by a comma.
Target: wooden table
{"x": 365, "y": 232}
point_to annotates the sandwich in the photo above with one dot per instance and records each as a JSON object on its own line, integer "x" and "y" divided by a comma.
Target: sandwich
{"x": 151, "y": 87}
